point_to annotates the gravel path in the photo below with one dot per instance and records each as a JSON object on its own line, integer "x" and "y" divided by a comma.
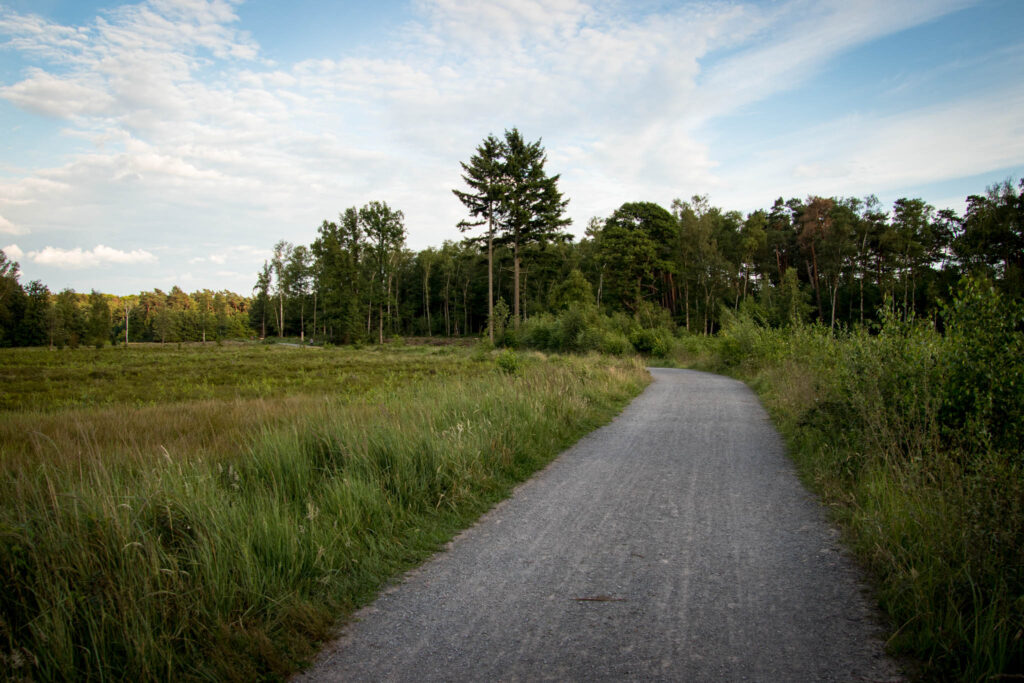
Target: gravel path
{"x": 676, "y": 543}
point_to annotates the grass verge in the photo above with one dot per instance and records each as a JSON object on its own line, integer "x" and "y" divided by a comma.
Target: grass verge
{"x": 196, "y": 566}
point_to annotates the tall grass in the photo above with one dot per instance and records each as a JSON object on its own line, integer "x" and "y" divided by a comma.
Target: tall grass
{"x": 913, "y": 438}
{"x": 200, "y": 566}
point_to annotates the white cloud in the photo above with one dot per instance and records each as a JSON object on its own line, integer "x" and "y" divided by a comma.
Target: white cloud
{"x": 45, "y": 93}
{"x": 98, "y": 256}
{"x": 13, "y": 252}
{"x": 9, "y": 228}
{"x": 192, "y": 134}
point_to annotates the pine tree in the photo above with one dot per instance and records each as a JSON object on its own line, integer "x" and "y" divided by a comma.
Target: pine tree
{"x": 484, "y": 175}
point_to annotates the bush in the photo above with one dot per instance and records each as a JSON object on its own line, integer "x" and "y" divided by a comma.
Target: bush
{"x": 508, "y": 362}
{"x": 657, "y": 342}
{"x": 571, "y": 325}
{"x": 984, "y": 401}
{"x": 539, "y": 332}
{"x": 615, "y": 343}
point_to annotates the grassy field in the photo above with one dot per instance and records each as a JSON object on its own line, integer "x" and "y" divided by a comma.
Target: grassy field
{"x": 200, "y": 400}
{"x": 210, "y": 512}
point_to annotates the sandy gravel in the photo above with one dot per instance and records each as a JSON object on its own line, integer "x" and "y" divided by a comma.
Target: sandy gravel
{"x": 674, "y": 544}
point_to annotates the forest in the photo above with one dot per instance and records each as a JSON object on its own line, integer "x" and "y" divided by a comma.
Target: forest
{"x": 830, "y": 260}
{"x": 835, "y": 261}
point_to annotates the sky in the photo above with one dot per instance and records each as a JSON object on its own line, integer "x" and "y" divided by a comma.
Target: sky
{"x": 147, "y": 144}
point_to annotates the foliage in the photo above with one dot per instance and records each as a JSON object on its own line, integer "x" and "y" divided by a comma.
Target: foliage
{"x": 508, "y": 362}
{"x": 985, "y": 382}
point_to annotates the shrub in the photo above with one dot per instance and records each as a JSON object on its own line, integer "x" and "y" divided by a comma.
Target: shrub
{"x": 538, "y": 332}
{"x": 657, "y": 342}
{"x": 508, "y": 362}
{"x": 614, "y": 343}
{"x": 984, "y": 400}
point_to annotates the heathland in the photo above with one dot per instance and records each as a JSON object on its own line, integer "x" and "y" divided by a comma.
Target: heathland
{"x": 211, "y": 511}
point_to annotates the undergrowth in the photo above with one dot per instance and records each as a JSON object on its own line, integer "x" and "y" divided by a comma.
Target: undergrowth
{"x": 913, "y": 438}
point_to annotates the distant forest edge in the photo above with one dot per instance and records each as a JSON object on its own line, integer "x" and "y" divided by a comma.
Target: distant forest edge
{"x": 833, "y": 260}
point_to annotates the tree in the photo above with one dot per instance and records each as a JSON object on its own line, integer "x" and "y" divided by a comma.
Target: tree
{"x": 99, "y": 319}
{"x": 385, "y": 232}
{"x": 34, "y": 325}
{"x": 701, "y": 261}
{"x": 992, "y": 238}
{"x": 636, "y": 248}
{"x": 574, "y": 290}
{"x": 338, "y": 254}
{"x": 753, "y": 244}
{"x": 11, "y": 294}
{"x": 297, "y": 273}
{"x": 484, "y": 175}
{"x": 532, "y": 207}
{"x": 68, "y": 323}
{"x": 427, "y": 258}
{"x": 203, "y": 301}
{"x": 282, "y": 253}
{"x": 911, "y": 224}
{"x": 262, "y": 300}
{"x": 815, "y": 224}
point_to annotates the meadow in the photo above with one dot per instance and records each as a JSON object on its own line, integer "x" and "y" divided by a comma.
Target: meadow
{"x": 211, "y": 512}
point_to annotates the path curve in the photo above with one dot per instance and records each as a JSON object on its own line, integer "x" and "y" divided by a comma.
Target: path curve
{"x": 675, "y": 543}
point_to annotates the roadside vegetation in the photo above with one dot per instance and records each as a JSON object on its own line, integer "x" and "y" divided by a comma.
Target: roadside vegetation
{"x": 913, "y": 438}
{"x": 124, "y": 555}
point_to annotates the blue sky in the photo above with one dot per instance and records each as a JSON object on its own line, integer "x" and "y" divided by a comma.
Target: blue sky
{"x": 159, "y": 142}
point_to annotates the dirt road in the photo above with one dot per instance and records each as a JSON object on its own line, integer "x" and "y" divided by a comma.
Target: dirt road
{"x": 676, "y": 543}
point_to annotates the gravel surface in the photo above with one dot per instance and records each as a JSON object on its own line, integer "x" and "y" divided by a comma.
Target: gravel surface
{"x": 675, "y": 543}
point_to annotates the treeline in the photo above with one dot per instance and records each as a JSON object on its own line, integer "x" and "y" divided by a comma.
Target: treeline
{"x": 835, "y": 261}
{"x": 31, "y": 315}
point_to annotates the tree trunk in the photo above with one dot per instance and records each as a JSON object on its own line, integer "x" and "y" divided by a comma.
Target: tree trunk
{"x": 426, "y": 298}
{"x": 835, "y": 292}
{"x": 817, "y": 286}
{"x": 280, "y": 319}
{"x": 490, "y": 279}
{"x": 863, "y": 274}
{"x": 447, "y": 305}
{"x": 515, "y": 296}
{"x": 686, "y": 288}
